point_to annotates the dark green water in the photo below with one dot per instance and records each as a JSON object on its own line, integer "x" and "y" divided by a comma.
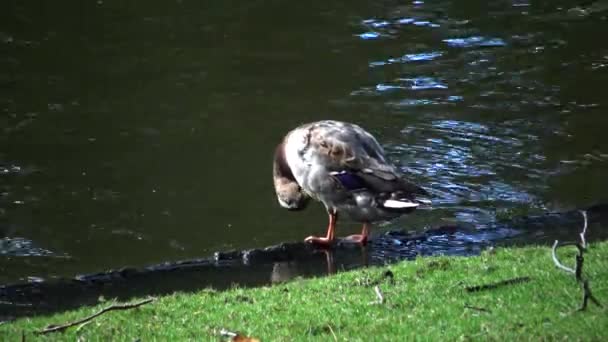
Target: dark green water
{"x": 133, "y": 133}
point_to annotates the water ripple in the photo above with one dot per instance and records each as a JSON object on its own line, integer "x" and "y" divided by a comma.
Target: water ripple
{"x": 370, "y": 35}
{"x": 411, "y": 57}
{"x": 385, "y": 27}
{"x": 475, "y": 41}
{"x": 412, "y": 102}
{"x": 4, "y": 170}
{"x": 469, "y": 162}
{"x": 422, "y": 83}
{"x": 21, "y": 247}
{"x": 376, "y": 24}
{"x": 400, "y": 84}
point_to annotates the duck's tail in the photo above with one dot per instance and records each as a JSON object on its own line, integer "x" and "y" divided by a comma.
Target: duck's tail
{"x": 405, "y": 203}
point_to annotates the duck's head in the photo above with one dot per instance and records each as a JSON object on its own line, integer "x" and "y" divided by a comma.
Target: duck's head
{"x": 289, "y": 193}
{"x": 290, "y": 196}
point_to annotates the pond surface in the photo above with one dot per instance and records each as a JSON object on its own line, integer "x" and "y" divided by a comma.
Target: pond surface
{"x": 134, "y": 133}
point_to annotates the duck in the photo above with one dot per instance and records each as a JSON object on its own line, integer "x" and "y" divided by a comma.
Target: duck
{"x": 344, "y": 167}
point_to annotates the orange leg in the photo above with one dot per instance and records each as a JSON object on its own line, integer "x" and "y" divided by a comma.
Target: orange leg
{"x": 330, "y": 236}
{"x": 360, "y": 238}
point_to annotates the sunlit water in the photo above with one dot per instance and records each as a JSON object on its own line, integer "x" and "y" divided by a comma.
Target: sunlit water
{"x": 132, "y": 134}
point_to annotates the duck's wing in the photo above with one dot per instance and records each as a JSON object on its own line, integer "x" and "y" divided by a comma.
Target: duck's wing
{"x": 356, "y": 159}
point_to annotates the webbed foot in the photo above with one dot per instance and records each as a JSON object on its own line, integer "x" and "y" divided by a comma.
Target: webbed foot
{"x": 320, "y": 241}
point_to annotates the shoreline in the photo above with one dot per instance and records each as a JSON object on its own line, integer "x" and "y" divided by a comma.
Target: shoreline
{"x": 504, "y": 293}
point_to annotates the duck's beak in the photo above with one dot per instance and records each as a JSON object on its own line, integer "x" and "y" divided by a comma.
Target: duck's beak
{"x": 294, "y": 204}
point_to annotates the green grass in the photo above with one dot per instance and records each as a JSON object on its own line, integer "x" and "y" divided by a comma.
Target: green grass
{"x": 427, "y": 301}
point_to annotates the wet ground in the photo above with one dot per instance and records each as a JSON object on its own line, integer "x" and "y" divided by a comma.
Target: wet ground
{"x": 133, "y": 134}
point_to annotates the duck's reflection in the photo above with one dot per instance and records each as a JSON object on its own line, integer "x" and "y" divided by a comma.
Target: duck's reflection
{"x": 283, "y": 272}
{"x": 327, "y": 262}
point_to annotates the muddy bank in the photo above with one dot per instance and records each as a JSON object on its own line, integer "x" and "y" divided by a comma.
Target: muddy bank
{"x": 284, "y": 261}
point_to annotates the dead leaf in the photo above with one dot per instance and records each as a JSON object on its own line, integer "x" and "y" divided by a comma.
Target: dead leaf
{"x": 241, "y": 338}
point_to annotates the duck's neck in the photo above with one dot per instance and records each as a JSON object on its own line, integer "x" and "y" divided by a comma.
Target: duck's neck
{"x": 280, "y": 168}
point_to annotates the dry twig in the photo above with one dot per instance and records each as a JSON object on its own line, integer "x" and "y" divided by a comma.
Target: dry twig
{"x": 227, "y": 333}
{"x": 587, "y": 295}
{"x": 332, "y": 332}
{"x": 82, "y": 325}
{"x": 54, "y": 328}
{"x": 556, "y": 260}
{"x": 578, "y": 270}
{"x": 582, "y": 234}
{"x": 236, "y": 337}
{"x": 379, "y": 294}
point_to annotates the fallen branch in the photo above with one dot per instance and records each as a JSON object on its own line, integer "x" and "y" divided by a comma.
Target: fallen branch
{"x": 467, "y": 306}
{"x": 497, "y": 284}
{"x": 54, "y": 328}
